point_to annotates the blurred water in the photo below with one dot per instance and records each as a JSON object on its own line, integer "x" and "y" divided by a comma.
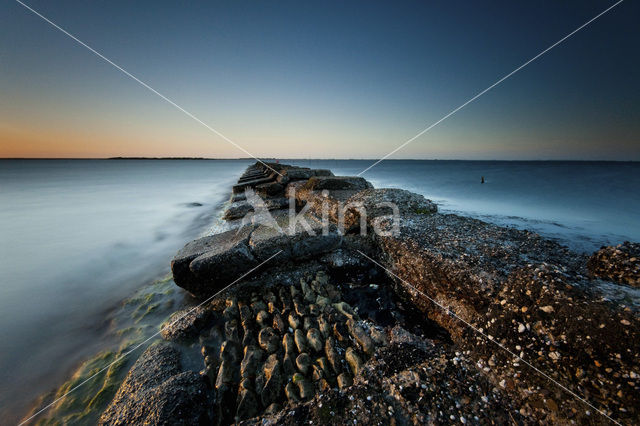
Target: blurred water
{"x": 78, "y": 236}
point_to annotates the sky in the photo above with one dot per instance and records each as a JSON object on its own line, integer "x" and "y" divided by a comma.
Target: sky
{"x": 320, "y": 79}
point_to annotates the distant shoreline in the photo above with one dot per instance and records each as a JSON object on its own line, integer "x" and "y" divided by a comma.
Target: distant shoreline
{"x": 317, "y": 159}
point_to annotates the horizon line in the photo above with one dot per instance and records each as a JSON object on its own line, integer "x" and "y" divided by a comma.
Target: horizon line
{"x": 307, "y": 159}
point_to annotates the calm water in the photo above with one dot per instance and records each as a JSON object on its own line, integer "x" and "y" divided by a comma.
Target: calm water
{"x": 76, "y": 238}
{"x": 79, "y": 236}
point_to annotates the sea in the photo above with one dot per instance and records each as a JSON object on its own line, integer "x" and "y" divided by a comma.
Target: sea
{"x": 77, "y": 237}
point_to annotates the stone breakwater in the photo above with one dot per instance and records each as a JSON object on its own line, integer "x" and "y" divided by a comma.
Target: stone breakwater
{"x": 321, "y": 334}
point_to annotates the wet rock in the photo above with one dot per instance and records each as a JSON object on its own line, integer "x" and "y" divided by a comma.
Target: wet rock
{"x": 272, "y": 409}
{"x": 227, "y": 375}
{"x": 257, "y": 306}
{"x": 619, "y": 263}
{"x": 301, "y": 340}
{"x": 231, "y": 330}
{"x": 322, "y": 301}
{"x": 314, "y": 310}
{"x": 307, "y": 292}
{"x": 301, "y": 308}
{"x": 249, "y": 337}
{"x": 332, "y": 355}
{"x": 187, "y": 324}
{"x": 305, "y": 388}
{"x": 269, "y": 189}
{"x": 251, "y": 362}
{"x": 155, "y": 392}
{"x": 323, "y": 364}
{"x": 288, "y": 365}
{"x": 285, "y": 298}
{"x": 288, "y": 344}
{"x": 211, "y": 372}
{"x": 317, "y": 374}
{"x": 231, "y": 312}
{"x": 361, "y": 336}
{"x": 278, "y": 323}
{"x": 309, "y": 323}
{"x": 353, "y": 360}
{"x": 230, "y": 351}
{"x": 344, "y": 381}
{"x": 206, "y": 265}
{"x": 246, "y": 315}
{"x": 272, "y": 390}
{"x": 303, "y": 362}
{"x": 294, "y": 321}
{"x": 237, "y": 210}
{"x": 291, "y": 391}
{"x": 345, "y": 309}
{"x": 263, "y": 319}
{"x": 340, "y": 332}
{"x": 315, "y": 340}
{"x": 247, "y": 405}
{"x": 378, "y": 336}
{"x": 225, "y": 406}
{"x": 269, "y": 339}
{"x": 324, "y": 327}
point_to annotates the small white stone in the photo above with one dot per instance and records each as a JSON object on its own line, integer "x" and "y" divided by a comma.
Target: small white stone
{"x": 521, "y": 328}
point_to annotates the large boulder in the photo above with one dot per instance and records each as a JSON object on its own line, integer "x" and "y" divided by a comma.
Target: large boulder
{"x": 210, "y": 263}
{"x": 157, "y": 392}
{"x": 620, "y": 264}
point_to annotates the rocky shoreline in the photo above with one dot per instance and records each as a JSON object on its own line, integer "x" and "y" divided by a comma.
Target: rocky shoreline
{"x": 434, "y": 318}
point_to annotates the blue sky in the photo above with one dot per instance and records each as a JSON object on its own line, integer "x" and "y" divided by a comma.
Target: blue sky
{"x": 320, "y": 79}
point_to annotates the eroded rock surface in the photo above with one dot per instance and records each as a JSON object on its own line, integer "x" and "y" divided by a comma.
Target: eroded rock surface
{"x": 446, "y": 334}
{"x": 156, "y": 391}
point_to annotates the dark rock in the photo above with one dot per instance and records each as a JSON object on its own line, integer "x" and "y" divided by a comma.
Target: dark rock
{"x": 247, "y": 405}
{"x": 269, "y": 189}
{"x": 206, "y": 265}
{"x": 332, "y": 183}
{"x": 315, "y": 340}
{"x": 269, "y": 340}
{"x": 251, "y": 362}
{"x": 187, "y": 323}
{"x": 303, "y": 362}
{"x": 274, "y": 386}
{"x": 156, "y": 392}
{"x": 620, "y": 264}
{"x": 237, "y": 210}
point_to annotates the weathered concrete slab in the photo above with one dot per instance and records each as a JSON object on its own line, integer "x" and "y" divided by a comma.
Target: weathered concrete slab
{"x": 220, "y": 257}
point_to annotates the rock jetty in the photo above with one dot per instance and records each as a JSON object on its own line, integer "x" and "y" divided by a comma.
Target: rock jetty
{"x": 368, "y": 306}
